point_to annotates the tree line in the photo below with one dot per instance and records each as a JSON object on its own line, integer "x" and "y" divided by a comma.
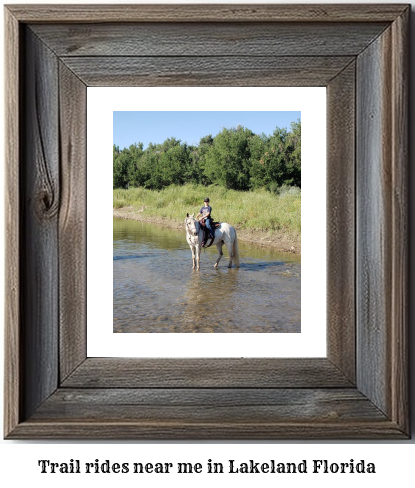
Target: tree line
{"x": 235, "y": 158}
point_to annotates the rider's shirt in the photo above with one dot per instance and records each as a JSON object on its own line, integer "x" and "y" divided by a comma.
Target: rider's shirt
{"x": 206, "y": 210}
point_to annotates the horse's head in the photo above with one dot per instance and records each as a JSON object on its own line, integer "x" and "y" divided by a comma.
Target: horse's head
{"x": 190, "y": 223}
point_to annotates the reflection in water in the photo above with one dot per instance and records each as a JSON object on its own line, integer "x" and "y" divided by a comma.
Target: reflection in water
{"x": 156, "y": 289}
{"x": 201, "y": 303}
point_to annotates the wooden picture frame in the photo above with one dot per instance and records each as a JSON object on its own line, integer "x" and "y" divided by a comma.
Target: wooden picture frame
{"x": 360, "y": 53}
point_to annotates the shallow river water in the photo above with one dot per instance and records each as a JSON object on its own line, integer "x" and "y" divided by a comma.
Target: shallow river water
{"x": 156, "y": 289}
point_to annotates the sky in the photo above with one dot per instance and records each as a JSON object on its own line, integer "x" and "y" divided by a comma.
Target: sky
{"x": 135, "y": 127}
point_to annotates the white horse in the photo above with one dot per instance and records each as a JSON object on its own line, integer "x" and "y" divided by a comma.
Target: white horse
{"x": 225, "y": 234}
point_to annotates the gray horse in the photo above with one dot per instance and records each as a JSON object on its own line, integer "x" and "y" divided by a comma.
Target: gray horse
{"x": 225, "y": 234}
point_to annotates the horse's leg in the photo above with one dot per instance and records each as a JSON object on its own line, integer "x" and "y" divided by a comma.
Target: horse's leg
{"x": 219, "y": 248}
{"x": 198, "y": 257}
{"x": 198, "y": 247}
{"x": 193, "y": 256}
{"x": 229, "y": 247}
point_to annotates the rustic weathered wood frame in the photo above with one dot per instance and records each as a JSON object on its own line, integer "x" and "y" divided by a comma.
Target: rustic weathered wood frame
{"x": 359, "y": 52}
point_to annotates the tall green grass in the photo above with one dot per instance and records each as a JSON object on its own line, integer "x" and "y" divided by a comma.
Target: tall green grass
{"x": 257, "y": 210}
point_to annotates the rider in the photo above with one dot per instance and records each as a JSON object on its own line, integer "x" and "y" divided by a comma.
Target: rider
{"x": 206, "y": 213}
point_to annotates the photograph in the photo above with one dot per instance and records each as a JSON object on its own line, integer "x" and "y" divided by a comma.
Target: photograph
{"x": 207, "y": 221}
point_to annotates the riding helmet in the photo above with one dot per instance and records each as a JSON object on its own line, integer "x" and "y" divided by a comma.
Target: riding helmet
{"x": 206, "y": 199}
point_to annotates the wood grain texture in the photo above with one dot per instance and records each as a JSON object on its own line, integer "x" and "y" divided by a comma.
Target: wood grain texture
{"x": 376, "y": 215}
{"x": 72, "y": 222}
{"x": 374, "y": 221}
{"x": 206, "y": 71}
{"x": 341, "y": 310}
{"x": 206, "y": 373}
{"x": 166, "y": 430}
{"x": 209, "y": 405}
{"x": 201, "y": 39}
{"x": 13, "y": 383}
{"x": 382, "y": 222}
{"x": 207, "y": 13}
{"x": 41, "y": 195}
{"x": 400, "y": 263}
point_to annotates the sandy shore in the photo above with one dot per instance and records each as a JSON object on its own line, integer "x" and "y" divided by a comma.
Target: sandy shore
{"x": 255, "y": 237}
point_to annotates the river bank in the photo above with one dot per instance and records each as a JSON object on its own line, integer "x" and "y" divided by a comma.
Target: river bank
{"x": 260, "y": 238}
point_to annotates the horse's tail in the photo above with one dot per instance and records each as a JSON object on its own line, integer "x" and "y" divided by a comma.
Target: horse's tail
{"x": 235, "y": 251}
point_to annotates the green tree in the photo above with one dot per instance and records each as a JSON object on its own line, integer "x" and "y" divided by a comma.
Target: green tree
{"x": 268, "y": 163}
{"x": 227, "y": 162}
{"x": 236, "y": 158}
{"x": 134, "y": 168}
{"x": 121, "y": 163}
{"x": 173, "y": 162}
{"x": 198, "y": 161}
{"x": 293, "y": 155}
{"x": 258, "y": 145}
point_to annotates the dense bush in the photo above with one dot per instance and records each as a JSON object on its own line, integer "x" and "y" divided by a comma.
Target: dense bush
{"x": 235, "y": 159}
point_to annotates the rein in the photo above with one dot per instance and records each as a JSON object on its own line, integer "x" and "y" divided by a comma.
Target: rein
{"x": 191, "y": 234}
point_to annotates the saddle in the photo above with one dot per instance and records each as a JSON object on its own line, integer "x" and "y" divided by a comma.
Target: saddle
{"x": 206, "y": 232}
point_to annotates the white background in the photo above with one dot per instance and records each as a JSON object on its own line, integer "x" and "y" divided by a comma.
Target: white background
{"x": 394, "y": 460}
{"x": 311, "y": 101}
